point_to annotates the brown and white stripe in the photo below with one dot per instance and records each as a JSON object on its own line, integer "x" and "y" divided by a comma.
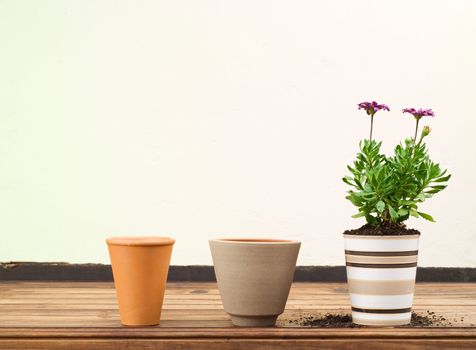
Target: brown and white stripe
{"x": 381, "y": 274}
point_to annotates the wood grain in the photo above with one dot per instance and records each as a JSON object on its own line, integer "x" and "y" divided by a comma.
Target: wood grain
{"x": 84, "y": 315}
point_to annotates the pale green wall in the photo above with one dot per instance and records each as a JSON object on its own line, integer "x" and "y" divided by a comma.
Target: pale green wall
{"x": 206, "y": 118}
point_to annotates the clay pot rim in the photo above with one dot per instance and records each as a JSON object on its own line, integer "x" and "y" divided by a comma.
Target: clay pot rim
{"x": 381, "y": 236}
{"x": 140, "y": 241}
{"x": 255, "y": 241}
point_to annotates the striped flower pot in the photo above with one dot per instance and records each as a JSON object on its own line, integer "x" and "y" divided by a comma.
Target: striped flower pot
{"x": 381, "y": 274}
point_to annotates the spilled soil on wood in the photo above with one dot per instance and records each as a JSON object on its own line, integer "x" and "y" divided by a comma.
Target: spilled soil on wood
{"x": 426, "y": 319}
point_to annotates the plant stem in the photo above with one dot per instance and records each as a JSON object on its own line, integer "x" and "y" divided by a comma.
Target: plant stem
{"x": 371, "y": 125}
{"x": 416, "y": 131}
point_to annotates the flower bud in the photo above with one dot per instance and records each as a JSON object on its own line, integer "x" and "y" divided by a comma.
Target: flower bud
{"x": 426, "y": 131}
{"x": 408, "y": 141}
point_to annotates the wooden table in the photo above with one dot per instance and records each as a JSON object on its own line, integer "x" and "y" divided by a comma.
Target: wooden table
{"x": 84, "y": 315}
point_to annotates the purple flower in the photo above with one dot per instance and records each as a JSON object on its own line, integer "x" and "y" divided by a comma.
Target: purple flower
{"x": 372, "y": 107}
{"x": 418, "y": 113}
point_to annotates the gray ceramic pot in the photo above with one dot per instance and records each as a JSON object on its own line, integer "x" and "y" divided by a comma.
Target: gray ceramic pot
{"x": 254, "y": 278}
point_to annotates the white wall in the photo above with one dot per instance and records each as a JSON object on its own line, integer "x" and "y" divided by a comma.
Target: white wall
{"x": 211, "y": 118}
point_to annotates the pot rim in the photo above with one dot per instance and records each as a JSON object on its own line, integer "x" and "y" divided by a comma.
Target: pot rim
{"x": 381, "y": 236}
{"x": 255, "y": 241}
{"x": 141, "y": 241}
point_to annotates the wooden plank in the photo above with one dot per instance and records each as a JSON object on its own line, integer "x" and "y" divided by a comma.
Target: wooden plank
{"x": 206, "y": 285}
{"x": 201, "y": 339}
{"x": 84, "y": 315}
{"x": 233, "y": 344}
{"x": 237, "y": 332}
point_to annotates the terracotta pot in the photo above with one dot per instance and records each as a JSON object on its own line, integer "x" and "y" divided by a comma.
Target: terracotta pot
{"x": 254, "y": 278}
{"x": 140, "y": 266}
{"x": 381, "y": 274}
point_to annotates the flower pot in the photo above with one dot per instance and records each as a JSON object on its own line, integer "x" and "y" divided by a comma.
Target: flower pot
{"x": 381, "y": 274}
{"x": 140, "y": 266}
{"x": 254, "y": 278}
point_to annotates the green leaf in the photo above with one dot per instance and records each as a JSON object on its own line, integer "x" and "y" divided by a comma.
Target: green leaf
{"x": 393, "y": 213}
{"x": 348, "y": 180}
{"x": 414, "y": 213}
{"x": 380, "y": 206}
{"x": 443, "y": 179}
{"x": 368, "y": 189}
{"x": 402, "y": 212}
{"x": 421, "y": 197}
{"x": 372, "y": 220}
{"x": 359, "y": 215}
{"x": 439, "y": 187}
{"x": 430, "y": 192}
{"x": 426, "y": 216}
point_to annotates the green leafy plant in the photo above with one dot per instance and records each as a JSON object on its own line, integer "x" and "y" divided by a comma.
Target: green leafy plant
{"x": 388, "y": 190}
